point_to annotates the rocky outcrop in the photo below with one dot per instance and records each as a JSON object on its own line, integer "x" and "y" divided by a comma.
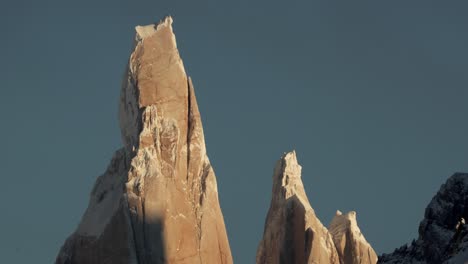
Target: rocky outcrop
{"x": 158, "y": 200}
{"x": 294, "y": 235}
{"x": 351, "y": 245}
{"x": 443, "y": 233}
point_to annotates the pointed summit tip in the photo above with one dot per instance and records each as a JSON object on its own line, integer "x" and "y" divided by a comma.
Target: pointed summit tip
{"x": 148, "y": 30}
{"x": 351, "y": 217}
{"x": 351, "y": 214}
{"x": 289, "y": 154}
{"x": 289, "y": 159}
{"x": 289, "y": 166}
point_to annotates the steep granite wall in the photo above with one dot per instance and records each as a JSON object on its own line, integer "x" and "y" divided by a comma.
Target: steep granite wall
{"x": 158, "y": 200}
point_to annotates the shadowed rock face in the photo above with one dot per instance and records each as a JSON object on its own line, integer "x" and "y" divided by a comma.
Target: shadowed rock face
{"x": 293, "y": 233}
{"x": 351, "y": 245}
{"x": 158, "y": 200}
{"x": 443, "y": 233}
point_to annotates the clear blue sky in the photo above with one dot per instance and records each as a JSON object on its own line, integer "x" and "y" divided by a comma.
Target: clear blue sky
{"x": 371, "y": 94}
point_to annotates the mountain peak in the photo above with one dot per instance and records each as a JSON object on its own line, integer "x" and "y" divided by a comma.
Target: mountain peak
{"x": 155, "y": 84}
{"x": 287, "y": 176}
{"x": 293, "y": 233}
{"x": 350, "y": 243}
{"x": 443, "y": 235}
{"x": 158, "y": 200}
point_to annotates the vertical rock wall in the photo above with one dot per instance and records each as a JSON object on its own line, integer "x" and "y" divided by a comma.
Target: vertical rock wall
{"x": 158, "y": 201}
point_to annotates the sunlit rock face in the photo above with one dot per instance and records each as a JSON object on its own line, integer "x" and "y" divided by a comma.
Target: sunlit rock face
{"x": 158, "y": 200}
{"x": 350, "y": 243}
{"x": 293, "y": 233}
{"x": 443, "y": 233}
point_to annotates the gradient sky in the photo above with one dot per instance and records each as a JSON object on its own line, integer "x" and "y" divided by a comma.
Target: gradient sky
{"x": 372, "y": 95}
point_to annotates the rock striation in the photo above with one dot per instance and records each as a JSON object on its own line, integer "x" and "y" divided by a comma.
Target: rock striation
{"x": 157, "y": 202}
{"x": 351, "y": 245}
{"x": 443, "y": 233}
{"x": 294, "y": 234}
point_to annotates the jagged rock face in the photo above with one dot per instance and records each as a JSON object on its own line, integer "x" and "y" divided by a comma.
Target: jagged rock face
{"x": 443, "y": 234}
{"x": 293, "y": 233}
{"x": 351, "y": 245}
{"x": 158, "y": 200}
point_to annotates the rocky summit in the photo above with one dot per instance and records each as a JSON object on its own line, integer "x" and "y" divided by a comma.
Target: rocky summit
{"x": 350, "y": 243}
{"x": 158, "y": 200}
{"x": 294, "y": 234}
{"x": 443, "y": 233}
